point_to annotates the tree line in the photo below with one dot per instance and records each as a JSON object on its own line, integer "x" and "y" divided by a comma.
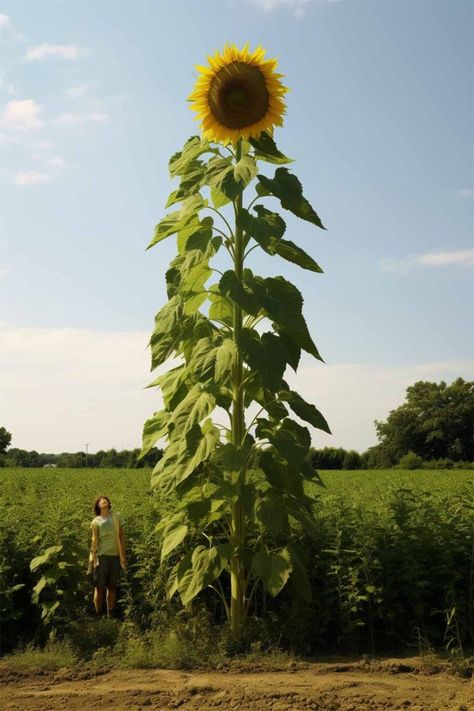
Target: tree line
{"x": 433, "y": 428}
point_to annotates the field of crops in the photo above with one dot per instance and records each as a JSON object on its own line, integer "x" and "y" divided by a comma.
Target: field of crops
{"x": 392, "y": 565}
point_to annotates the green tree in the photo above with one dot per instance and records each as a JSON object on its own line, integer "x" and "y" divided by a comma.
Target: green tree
{"x": 434, "y": 422}
{"x": 5, "y": 439}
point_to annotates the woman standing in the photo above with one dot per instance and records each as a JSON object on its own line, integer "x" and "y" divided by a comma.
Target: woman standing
{"x": 107, "y": 554}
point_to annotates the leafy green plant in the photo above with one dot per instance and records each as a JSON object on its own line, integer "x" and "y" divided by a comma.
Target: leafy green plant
{"x": 58, "y": 587}
{"x": 232, "y": 357}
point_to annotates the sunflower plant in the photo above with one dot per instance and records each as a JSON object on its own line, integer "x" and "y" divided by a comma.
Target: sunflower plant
{"x": 234, "y": 456}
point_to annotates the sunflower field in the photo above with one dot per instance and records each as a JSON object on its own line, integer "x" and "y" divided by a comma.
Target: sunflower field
{"x": 390, "y": 564}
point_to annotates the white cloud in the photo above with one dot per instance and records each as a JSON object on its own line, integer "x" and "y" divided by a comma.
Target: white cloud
{"x": 62, "y": 51}
{"x": 298, "y": 7}
{"x": 60, "y": 388}
{"x": 4, "y": 20}
{"x": 24, "y": 178}
{"x": 71, "y": 119}
{"x": 77, "y": 91}
{"x": 56, "y": 162}
{"x": 64, "y": 387}
{"x": 459, "y": 257}
{"x": 4, "y": 272}
{"x": 464, "y": 193}
{"x": 21, "y": 114}
{"x": 352, "y": 395}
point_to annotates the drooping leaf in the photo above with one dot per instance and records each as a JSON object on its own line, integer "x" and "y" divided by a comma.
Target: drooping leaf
{"x": 244, "y": 292}
{"x": 193, "y": 148}
{"x": 305, "y": 410}
{"x": 299, "y": 576}
{"x": 273, "y": 569}
{"x": 220, "y": 308}
{"x": 197, "y": 447}
{"x": 271, "y": 513}
{"x": 45, "y": 557}
{"x": 245, "y": 170}
{"x": 174, "y": 534}
{"x": 176, "y": 221}
{"x": 287, "y": 188}
{"x": 203, "y": 358}
{"x": 203, "y": 567}
{"x": 292, "y": 441}
{"x": 225, "y": 359}
{"x": 195, "y": 407}
{"x": 193, "y": 178}
{"x": 220, "y": 175}
{"x": 218, "y": 198}
{"x": 154, "y": 429}
{"x": 283, "y": 304}
{"x": 265, "y": 354}
{"x": 266, "y": 149}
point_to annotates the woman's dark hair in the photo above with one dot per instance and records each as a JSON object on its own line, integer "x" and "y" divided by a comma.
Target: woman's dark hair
{"x": 96, "y": 504}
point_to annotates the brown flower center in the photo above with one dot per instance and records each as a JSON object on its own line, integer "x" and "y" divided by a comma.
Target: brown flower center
{"x": 238, "y": 95}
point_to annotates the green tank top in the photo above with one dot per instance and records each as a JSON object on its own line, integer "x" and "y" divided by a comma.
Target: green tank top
{"x": 107, "y": 541}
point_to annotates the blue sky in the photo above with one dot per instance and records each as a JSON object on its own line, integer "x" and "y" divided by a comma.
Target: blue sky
{"x": 93, "y": 103}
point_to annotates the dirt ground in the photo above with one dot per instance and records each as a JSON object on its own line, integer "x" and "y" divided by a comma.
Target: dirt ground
{"x": 347, "y": 686}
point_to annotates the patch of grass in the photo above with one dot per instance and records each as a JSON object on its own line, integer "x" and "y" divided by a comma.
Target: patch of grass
{"x": 53, "y": 656}
{"x": 170, "y": 647}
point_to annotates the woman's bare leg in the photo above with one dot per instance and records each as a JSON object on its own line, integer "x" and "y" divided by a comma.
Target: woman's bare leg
{"x": 98, "y": 598}
{"x": 111, "y": 597}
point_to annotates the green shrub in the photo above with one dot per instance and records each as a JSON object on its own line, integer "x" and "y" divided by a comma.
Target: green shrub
{"x": 410, "y": 461}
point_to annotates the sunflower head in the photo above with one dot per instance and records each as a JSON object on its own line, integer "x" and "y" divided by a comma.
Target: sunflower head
{"x": 238, "y": 95}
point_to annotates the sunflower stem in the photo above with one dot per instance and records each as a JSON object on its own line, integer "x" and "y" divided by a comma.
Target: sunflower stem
{"x": 237, "y": 572}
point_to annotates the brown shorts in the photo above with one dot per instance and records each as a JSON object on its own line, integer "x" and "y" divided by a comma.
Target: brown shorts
{"x": 107, "y": 573}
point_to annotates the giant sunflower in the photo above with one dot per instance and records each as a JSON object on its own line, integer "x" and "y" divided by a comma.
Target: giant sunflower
{"x": 238, "y": 95}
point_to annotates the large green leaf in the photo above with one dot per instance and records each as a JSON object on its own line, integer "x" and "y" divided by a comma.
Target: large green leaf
{"x": 196, "y": 448}
{"x": 45, "y": 557}
{"x": 265, "y": 354}
{"x": 167, "y": 333}
{"x": 245, "y": 292}
{"x": 287, "y": 188}
{"x": 218, "y": 198}
{"x": 305, "y": 410}
{"x": 299, "y": 576}
{"x": 267, "y": 230}
{"x": 154, "y": 429}
{"x": 220, "y": 308}
{"x": 283, "y": 304}
{"x": 203, "y": 359}
{"x": 175, "y": 532}
{"x": 176, "y": 221}
{"x": 193, "y": 148}
{"x": 245, "y": 170}
{"x": 268, "y": 226}
{"x": 266, "y": 149}
{"x": 193, "y": 179}
{"x": 220, "y": 175}
{"x": 271, "y": 513}
{"x": 292, "y": 441}
{"x": 196, "y": 235}
{"x": 273, "y": 569}
{"x": 201, "y": 569}
{"x": 225, "y": 359}
{"x": 195, "y": 407}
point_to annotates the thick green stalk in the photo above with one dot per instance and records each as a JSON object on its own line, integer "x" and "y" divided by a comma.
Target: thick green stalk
{"x": 237, "y": 573}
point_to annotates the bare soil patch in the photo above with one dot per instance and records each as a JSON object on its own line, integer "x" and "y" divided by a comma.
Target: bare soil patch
{"x": 345, "y": 686}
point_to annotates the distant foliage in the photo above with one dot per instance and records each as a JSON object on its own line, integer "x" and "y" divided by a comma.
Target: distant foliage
{"x": 5, "y": 439}
{"x": 104, "y": 459}
{"x": 434, "y": 422}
